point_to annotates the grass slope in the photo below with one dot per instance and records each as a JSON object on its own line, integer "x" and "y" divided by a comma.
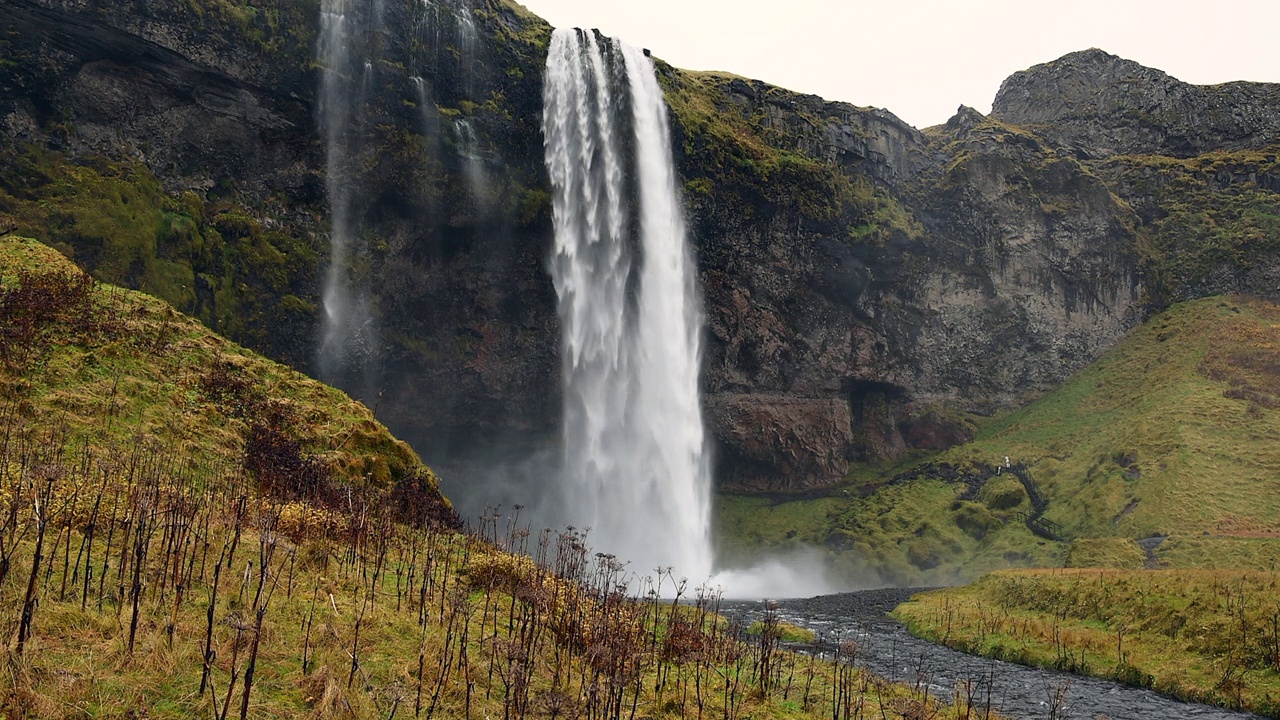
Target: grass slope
{"x": 189, "y": 530}
{"x": 1174, "y": 432}
{"x": 1208, "y": 636}
{"x": 141, "y": 371}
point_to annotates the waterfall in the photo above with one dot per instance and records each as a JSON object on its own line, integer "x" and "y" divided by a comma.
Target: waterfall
{"x": 471, "y": 153}
{"x": 635, "y": 464}
{"x": 346, "y": 344}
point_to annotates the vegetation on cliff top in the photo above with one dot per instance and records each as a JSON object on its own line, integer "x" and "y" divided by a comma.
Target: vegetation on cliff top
{"x": 744, "y": 153}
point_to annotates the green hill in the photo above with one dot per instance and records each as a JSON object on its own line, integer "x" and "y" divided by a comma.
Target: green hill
{"x": 1172, "y": 433}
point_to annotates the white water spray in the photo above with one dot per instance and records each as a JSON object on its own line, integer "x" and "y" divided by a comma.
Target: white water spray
{"x": 635, "y": 463}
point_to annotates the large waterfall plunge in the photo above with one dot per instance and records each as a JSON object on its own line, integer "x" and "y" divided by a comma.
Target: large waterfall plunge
{"x": 635, "y": 464}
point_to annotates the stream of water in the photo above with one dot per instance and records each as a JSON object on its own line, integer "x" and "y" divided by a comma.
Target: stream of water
{"x": 1013, "y": 691}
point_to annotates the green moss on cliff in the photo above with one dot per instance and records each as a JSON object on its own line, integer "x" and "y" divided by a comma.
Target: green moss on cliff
{"x": 241, "y": 274}
{"x": 1207, "y": 221}
{"x": 284, "y": 33}
{"x": 748, "y": 155}
{"x": 529, "y": 33}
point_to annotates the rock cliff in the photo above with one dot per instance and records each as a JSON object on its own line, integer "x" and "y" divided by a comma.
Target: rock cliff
{"x": 869, "y": 286}
{"x": 1099, "y": 105}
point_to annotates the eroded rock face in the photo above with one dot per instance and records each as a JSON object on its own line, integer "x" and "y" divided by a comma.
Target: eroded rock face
{"x": 772, "y": 442}
{"x": 1098, "y": 105}
{"x": 867, "y": 286}
{"x": 1008, "y": 267}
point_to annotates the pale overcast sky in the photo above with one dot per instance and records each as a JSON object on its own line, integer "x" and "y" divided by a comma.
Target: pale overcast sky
{"x": 924, "y": 58}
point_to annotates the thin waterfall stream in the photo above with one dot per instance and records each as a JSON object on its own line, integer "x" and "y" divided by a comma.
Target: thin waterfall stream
{"x": 347, "y": 352}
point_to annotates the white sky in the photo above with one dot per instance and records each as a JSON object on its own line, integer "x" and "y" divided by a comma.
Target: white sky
{"x": 923, "y": 59}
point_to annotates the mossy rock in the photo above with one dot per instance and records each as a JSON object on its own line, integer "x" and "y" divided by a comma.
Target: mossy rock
{"x": 975, "y": 519}
{"x": 1003, "y": 492}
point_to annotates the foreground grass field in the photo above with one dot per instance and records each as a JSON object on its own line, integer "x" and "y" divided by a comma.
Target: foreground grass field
{"x": 189, "y": 530}
{"x": 1203, "y": 635}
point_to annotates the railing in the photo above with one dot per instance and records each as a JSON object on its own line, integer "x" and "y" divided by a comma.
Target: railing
{"x": 1043, "y": 527}
{"x": 1034, "y": 520}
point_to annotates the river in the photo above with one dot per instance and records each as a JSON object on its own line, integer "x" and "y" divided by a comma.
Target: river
{"x": 1012, "y": 691}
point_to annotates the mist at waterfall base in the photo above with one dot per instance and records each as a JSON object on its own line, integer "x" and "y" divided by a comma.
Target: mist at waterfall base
{"x": 532, "y": 482}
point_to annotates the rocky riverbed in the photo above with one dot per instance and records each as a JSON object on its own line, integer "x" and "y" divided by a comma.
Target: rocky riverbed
{"x": 1014, "y": 691}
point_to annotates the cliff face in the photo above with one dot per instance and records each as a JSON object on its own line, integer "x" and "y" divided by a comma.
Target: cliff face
{"x": 868, "y": 285}
{"x": 206, "y": 113}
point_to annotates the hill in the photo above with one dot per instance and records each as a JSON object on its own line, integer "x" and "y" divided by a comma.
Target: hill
{"x": 107, "y": 369}
{"x": 1172, "y": 434}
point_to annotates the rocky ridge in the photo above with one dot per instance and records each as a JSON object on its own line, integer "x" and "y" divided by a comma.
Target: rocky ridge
{"x": 1098, "y": 105}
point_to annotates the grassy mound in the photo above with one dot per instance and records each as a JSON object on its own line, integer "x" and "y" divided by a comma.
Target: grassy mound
{"x": 1207, "y": 636}
{"x": 1174, "y": 432}
{"x": 187, "y": 529}
{"x": 109, "y": 368}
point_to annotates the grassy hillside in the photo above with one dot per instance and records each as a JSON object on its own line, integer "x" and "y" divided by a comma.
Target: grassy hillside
{"x": 1208, "y": 636}
{"x": 1174, "y": 432}
{"x": 187, "y": 529}
{"x": 112, "y": 368}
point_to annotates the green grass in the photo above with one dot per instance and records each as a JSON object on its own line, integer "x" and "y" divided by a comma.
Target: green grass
{"x": 1202, "y": 635}
{"x": 1105, "y": 553}
{"x": 747, "y": 522}
{"x": 147, "y": 371}
{"x": 1175, "y": 431}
